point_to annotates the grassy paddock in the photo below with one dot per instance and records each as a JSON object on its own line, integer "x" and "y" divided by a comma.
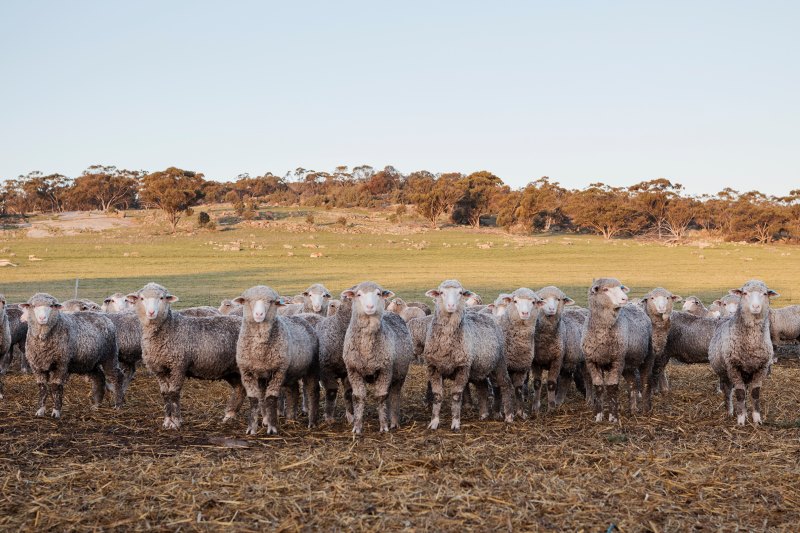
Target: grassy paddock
{"x": 686, "y": 466}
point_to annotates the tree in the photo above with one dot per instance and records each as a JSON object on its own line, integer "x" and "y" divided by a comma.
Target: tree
{"x": 103, "y": 187}
{"x": 653, "y": 198}
{"x": 432, "y": 197}
{"x": 479, "y": 193}
{"x": 678, "y": 216}
{"x": 174, "y": 191}
{"x": 44, "y": 193}
{"x": 604, "y": 209}
{"x": 541, "y": 202}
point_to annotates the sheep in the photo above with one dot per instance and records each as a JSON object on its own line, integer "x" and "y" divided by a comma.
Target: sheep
{"x": 715, "y": 309}
{"x": 59, "y": 344}
{"x": 574, "y": 366}
{"x": 418, "y": 327}
{"x": 784, "y": 324}
{"x": 550, "y": 343}
{"x": 315, "y": 299}
{"x": 615, "y": 341}
{"x": 18, "y": 324}
{"x": 425, "y": 307}
{"x": 658, "y": 304}
{"x": 176, "y": 346}
{"x": 5, "y": 342}
{"x": 200, "y": 311}
{"x": 274, "y": 353}
{"x": 406, "y": 312}
{"x": 377, "y": 349}
{"x": 129, "y": 343}
{"x": 474, "y": 300}
{"x": 75, "y": 305}
{"x": 741, "y": 350}
{"x": 464, "y": 347}
{"x": 333, "y": 306}
{"x": 689, "y": 337}
{"x": 290, "y": 309}
{"x": 116, "y": 303}
{"x": 517, "y": 326}
{"x": 312, "y": 318}
{"x": 228, "y": 307}
{"x": 331, "y": 333}
{"x": 693, "y": 305}
{"x": 728, "y": 305}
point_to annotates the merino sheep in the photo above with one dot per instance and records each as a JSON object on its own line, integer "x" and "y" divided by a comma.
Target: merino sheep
{"x": 464, "y": 347}
{"x": 200, "y": 311}
{"x": 377, "y": 349}
{"x": 5, "y": 342}
{"x": 658, "y": 304}
{"x": 784, "y": 324}
{"x": 78, "y": 304}
{"x": 728, "y": 305}
{"x": 274, "y": 353}
{"x": 574, "y": 366}
{"x": 176, "y": 346}
{"x": 129, "y": 342}
{"x": 517, "y": 325}
{"x": 18, "y": 324}
{"x": 694, "y": 306}
{"x": 290, "y": 309}
{"x": 615, "y": 342}
{"x": 60, "y": 344}
{"x": 425, "y": 307}
{"x": 715, "y": 309}
{"x": 499, "y": 306}
{"x": 316, "y": 299}
{"x": 418, "y": 327}
{"x": 741, "y": 350}
{"x": 473, "y": 300}
{"x": 550, "y": 343}
{"x": 333, "y": 306}
{"x": 331, "y": 333}
{"x": 116, "y": 303}
{"x": 406, "y": 312}
{"x": 228, "y": 307}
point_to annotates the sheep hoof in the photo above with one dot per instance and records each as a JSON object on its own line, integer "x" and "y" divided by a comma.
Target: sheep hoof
{"x": 485, "y": 416}
{"x": 228, "y": 417}
{"x": 251, "y": 430}
{"x": 757, "y": 419}
{"x": 522, "y": 415}
{"x": 612, "y": 418}
{"x": 328, "y": 419}
{"x": 384, "y": 429}
{"x": 509, "y": 419}
{"x": 598, "y": 417}
{"x": 456, "y": 425}
{"x": 434, "y": 424}
{"x": 272, "y": 430}
{"x": 1, "y": 395}
{"x": 741, "y": 419}
{"x": 56, "y": 413}
{"x": 349, "y": 417}
{"x": 394, "y": 425}
{"x": 171, "y": 423}
{"x": 40, "y": 412}
{"x": 356, "y": 430}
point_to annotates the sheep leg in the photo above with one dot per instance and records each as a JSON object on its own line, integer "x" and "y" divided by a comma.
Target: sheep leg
{"x": 613, "y": 400}
{"x": 175, "y": 387}
{"x": 739, "y": 395}
{"x": 394, "y": 403}
{"x": 113, "y": 375}
{"x": 755, "y": 394}
{"x": 57, "y": 392}
{"x": 536, "y": 372}
{"x": 482, "y": 390}
{"x": 348, "y": 400}
{"x": 44, "y": 392}
{"x": 518, "y": 385}
{"x": 128, "y": 370}
{"x": 561, "y": 387}
{"x": 633, "y": 389}
{"x": 497, "y": 399}
{"x": 98, "y": 388}
{"x": 727, "y": 394}
{"x": 359, "y": 397}
{"x": 252, "y": 420}
{"x": 437, "y": 390}
{"x": 467, "y": 398}
{"x": 501, "y": 377}
{"x": 254, "y": 394}
{"x": 382, "y": 386}
{"x": 331, "y": 386}
{"x": 236, "y": 399}
{"x": 598, "y": 381}
{"x": 428, "y": 395}
{"x": 611, "y": 380}
{"x": 311, "y": 390}
{"x": 271, "y": 396}
{"x": 292, "y": 393}
{"x": 552, "y": 382}
{"x": 460, "y": 379}
{"x": 5, "y": 362}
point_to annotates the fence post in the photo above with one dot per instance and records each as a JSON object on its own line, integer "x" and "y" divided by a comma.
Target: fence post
{"x": 76, "y": 288}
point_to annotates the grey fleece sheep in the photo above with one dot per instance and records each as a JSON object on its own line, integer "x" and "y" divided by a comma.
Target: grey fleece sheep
{"x": 425, "y": 307}
{"x": 129, "y": 343}
{"x": 406, "y": 312}
{"x": 200, "y": 311}
{"x": 784, "y": 324}
{"x": 574, "y": 366}
{"x": 464, "y": 347}
{"x": 333, "y": 306}
{"x": 517, "y": 325}
{"x": 550, "y": 342}
{"x": 18, "y": 323}
{"x": 228, "y": 307}
{"x": 615, "y": 342}
{"x": 694, "y": 306}
{"x": 5, "y": 342}
{"x": 274, "y": 353}
{"x": 377, "y": 349}
{"x": 175, "y": 346}
{"x": 689, "y": 337}
{"x": 728, "y": 305}
{"x": 741, "y": 350}
{"x": 316, "y": 299}
{"x": 60, "y": 344}
{"x": 116, "y": 303}
{"x": 657, "y": 304}
{"x": 80, "y": 304}
{"x": 331, "y": 332}
{"x": 419, "y": 332}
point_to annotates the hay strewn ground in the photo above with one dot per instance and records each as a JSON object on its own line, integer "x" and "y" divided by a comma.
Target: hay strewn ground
{"x": 685, "y": 467}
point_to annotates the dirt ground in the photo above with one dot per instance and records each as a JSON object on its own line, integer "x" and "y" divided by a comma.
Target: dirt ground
{"x": 685, "y": 467}
{"x": 74, "y": 222}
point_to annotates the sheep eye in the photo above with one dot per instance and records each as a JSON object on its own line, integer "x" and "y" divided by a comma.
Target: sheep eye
{"x": 605, "y": 289}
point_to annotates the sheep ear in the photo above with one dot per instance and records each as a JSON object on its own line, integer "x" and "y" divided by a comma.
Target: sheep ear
{"x": 676, "y": 298}
{"x": 490, "y": 306}
{"x": 326, "y": 295}
{"x": 58, "y": 306}
{"x": 349, "y": 293}
{"x": 25, "y": 306}
{"x": 507, "y": 299}
{"x": 132, "y": 297}
{"x": 280, "y": 302}
{"x": 467, "y": 293}
{"x": 735, "y": 292}
{"x": 387, "y": 294}
{"x": 624, "y": 289}
{"x": 238, "y": 300}
{"x": 718, "y": 302}
{"x": 433, "y": 293}
{"x": 772, "y": 294}
{"x": 304, "y": 293}
{"x": 539, "y": 303}
{"x": 171, "y": 299}
{"x": 594, "y": 289}
{"x": 568, "y": 301}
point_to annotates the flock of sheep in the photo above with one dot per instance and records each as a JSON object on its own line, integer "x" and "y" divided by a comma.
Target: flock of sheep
{"x": 278, "y": 352}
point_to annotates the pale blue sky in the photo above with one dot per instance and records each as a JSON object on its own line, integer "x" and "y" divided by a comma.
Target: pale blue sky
{"x": 704, "y": 93}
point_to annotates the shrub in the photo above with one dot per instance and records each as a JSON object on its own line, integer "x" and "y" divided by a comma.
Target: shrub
{"x": 310, "y": 218}
{"x": 203, "y": 219}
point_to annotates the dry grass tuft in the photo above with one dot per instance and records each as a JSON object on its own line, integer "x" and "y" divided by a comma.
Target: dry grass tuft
{"x": 685, "y": 467}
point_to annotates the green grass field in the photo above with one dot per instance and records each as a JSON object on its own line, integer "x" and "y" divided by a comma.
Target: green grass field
{"x": 202, "y": 273}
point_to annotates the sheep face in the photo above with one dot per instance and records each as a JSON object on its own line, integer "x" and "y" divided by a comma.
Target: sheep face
{"x": 525, "y": 302}
{"x": 715, "y": 309}
{"x": 225, "y": 307}
{"x": 116, "y": 303}
{"x": 2, "y": 303}
{"x": 152, "y": 301}
{"x": 368, "y": 298}
{"x": 609, "y": 292}
{"x": 396, "y": 306}
{"x": 43, "y": 307}
{"x": 333, "y": 307}
{"x": 450, "y": 296}
{"x": 552, "y": 301}
{"x": 317, "y": 295}
{"x": 729, "y": 303}
{"x": 660, "y": 301}
{"x": 754, "y": 297}
{"x": 260, "y": 304}
{"x": 500, "y": 305}
{"x": 473, "y": 300}
{"x": 692, "y": 304}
